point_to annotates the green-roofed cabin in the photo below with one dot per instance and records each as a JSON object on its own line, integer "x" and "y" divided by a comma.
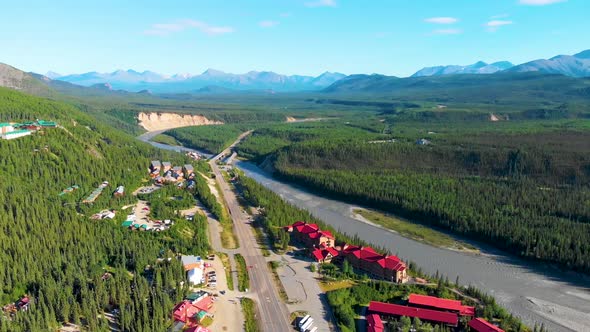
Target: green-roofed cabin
{"x": 201, "y": 314}
{"x": 127, "y": 223}
{"x": 43, "y": 123}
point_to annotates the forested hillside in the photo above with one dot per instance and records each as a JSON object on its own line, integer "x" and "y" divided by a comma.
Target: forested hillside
{"x": 50, "y": 249}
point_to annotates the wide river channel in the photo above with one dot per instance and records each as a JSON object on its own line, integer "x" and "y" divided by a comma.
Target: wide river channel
{"x": 534, "y": 292}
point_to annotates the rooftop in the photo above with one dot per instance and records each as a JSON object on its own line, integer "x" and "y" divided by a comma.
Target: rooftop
{"x": 445, "y": 304}
{"x": 482, "y": 325}
{"x": 374, "y": 323}
{"x": 424, "y": 314}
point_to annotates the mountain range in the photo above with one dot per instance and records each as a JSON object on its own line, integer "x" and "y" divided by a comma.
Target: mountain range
{"x": 577, "y": 65}
{"x": 479, "y": 67}
{"x": 132, "y": 80}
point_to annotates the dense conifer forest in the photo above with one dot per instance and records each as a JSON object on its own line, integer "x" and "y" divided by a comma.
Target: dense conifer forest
{"x": 49, "y": 248}
{"x": 526, "y": 193}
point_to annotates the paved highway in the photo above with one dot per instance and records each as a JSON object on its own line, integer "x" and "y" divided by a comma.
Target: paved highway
{"x": 274, "y": 315}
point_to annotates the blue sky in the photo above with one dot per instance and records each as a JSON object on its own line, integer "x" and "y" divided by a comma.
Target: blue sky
{"x": 394, "y": 37}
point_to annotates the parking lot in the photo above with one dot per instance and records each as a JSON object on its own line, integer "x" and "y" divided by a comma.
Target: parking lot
{"x": 226, "y": 310}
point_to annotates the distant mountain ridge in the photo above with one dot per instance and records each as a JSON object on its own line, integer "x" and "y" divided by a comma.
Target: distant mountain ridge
{"x": 479, "y": 67}
{"x": 577, "y": 65}
{"x": 132, "y": 80}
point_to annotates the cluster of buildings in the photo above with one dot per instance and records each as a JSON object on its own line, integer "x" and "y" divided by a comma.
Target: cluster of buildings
{"x": 322, "y": 245}
{"x": 145, "y": 225}
{"x": 428, "y": 309}
{"x": 21, "y": 305}
{"x": 190, "y": 313}
{"x": 15, "y": 130}
{"x": 165, "y": 172}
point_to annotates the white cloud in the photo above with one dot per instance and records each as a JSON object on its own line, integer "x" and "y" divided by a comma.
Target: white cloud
{"x": 498, "y": 23}
{"x": 321, "y": 3}
{"x": 441, "y": 20}
{"x": 447, "y": 31}
{"x": 494, "y": 25}
{"x": 495, "y": 17}
{"x": 164, "y": 29}
{"x": 539, "y": 2}
{"x": 268, "y": 24}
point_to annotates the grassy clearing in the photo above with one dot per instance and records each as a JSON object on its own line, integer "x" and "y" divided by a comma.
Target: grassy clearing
{"x": 328, "y": 286}
{"x": 165, "y": 139}
{"x": 229, "y": 239}
{"x": 414, "y": 231}
{"x": 273, "y": 266}
{"x": 227, "y": 267}
{"x": 249, "y": 310}
{"x": 206, "y": 321}
{"x": 243, "y": 277}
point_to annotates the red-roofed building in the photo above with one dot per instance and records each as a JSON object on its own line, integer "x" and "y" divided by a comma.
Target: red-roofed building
{"x": 482, "y": 325}
{"x": 204, "y": 304}
{"x": 396, "y": 310}
{"x": 390, "y": 268}
{"x": 310, "y": 234}
{"x": 431, "y": 302}
{"x": 324, "y": 255}
{"x": 374, "y": 323}
{"x": 185, "y": 312}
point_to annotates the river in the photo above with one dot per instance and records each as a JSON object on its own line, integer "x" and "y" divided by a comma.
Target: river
{"x": 534, "y": 292}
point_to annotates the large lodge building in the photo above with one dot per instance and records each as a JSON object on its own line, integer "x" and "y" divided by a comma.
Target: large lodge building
{"x": 323, "y": 250}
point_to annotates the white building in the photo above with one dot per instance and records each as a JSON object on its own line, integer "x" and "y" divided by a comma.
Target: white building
{"x": 16, "y": 134}
{"x": 5, "y": 128}
{"x": 194, "y": 266}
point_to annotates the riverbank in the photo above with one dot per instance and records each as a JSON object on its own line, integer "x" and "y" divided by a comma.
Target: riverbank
{"x": 411, "y": 230}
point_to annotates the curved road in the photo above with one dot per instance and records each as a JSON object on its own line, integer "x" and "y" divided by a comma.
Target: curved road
{"x": 534, "y": 292}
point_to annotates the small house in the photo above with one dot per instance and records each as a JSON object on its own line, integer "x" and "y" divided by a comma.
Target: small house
{"x": 194, "y": 267}
{"x": 47, "y": 124}
{"x": 423, "y": 141}
{"x": 177, "y": 170}
{"x": 166, "y": 165}
{"x": 188, "y": 170}
{"x": 155, "y": 165}
{"x": 120, "y": 191}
